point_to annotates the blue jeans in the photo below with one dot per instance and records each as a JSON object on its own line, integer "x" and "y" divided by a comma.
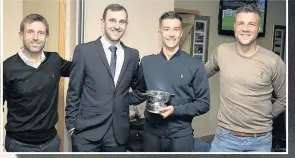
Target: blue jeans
{"x": 225, "y": 141}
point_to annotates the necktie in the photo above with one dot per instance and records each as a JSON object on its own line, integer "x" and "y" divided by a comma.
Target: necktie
{"x": 113, "y": 60}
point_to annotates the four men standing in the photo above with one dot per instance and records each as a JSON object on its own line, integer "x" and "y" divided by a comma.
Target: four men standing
{"x": 104, "y": 70}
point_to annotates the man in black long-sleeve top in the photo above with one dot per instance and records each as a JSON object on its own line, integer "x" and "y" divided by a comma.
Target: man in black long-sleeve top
{"x": 176, "y": 72}
{"x": 30, "y": 87}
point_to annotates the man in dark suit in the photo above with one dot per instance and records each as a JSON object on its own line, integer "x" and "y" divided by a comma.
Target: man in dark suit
{"x": 98, "y": 98}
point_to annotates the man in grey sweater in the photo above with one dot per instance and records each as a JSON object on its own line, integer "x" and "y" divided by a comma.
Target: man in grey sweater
{"x": 249, "y": 74}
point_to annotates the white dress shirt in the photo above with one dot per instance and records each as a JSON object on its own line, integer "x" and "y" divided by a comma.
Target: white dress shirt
{"x": 27, "y": 60}
{"x": 120, "y": 56}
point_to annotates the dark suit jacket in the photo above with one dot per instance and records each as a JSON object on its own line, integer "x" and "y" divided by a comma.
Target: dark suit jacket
{"x": 93, "y": 101}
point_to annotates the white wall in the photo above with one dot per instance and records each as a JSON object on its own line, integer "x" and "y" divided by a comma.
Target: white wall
{"x": 276, "y": 15}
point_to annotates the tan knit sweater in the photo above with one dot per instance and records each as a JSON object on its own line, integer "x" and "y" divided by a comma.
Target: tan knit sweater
{"x": 246, "y": 86}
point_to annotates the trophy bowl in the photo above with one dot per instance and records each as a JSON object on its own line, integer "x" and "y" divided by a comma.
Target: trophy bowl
{"x": 156, "y": 99}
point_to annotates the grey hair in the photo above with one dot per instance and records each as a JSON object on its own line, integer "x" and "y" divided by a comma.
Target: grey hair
{"x": 249, "y": 9}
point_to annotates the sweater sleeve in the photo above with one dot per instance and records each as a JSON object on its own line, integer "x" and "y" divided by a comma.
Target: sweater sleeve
{"x": 279, "y": 88}
{"x": 5, "y": 88}
{"x": 65, "y": 67}
{"x": 200, "y": 104}
{"x": 212, "y": 64}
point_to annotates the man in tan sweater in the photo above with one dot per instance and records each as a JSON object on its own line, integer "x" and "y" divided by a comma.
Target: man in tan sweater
{"x": 249, "y": 74}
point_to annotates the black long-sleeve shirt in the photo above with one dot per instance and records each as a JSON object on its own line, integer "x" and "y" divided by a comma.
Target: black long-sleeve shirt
{"x": 32, "y": 97}
{"x": 183, "y": 76}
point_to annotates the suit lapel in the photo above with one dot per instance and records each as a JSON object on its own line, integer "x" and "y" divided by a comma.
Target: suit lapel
{"x": 124, "y": 66}
{"x": 102, "y": 55}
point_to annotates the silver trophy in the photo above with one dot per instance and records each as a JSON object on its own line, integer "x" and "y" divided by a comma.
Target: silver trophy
{"x": 156, "y": 99}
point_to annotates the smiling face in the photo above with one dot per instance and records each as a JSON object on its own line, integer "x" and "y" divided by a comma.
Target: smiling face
{"x": 246, "y": 28}
{"x": 170, "y": 33}
{"x": 114, "y": 25}
{"x": 34, "y": 37}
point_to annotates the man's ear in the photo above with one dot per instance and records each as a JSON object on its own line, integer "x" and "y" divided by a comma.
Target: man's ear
{"x": 20, "y": 34}
{"x": 181, "y": 33}
{"x": 102, "y": 22}
{"x": 159, "y": 33}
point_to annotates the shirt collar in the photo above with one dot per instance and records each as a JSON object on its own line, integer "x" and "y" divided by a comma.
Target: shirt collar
{"x": 174, "y": 56}
{"x": 27, "y": 60}
{"x": 107, "y": 44}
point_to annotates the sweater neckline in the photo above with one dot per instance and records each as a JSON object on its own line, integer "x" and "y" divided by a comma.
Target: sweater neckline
{"x": 31, "y": 67}
{"x": 243, "y": 56}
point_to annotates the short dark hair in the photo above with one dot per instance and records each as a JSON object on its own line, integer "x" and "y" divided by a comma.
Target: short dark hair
{"x": 169, "y": 15}
{"x": 113, "y": 7}
{"x": 249, "y": 9}
{"x": 33, "y": 18}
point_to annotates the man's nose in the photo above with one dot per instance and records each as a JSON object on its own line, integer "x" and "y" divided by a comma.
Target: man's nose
{"x": 35, "y": 36}
{"x": 117, "y": 25}
{"x": 171, "y": 33}
{"x": 245, "y": 28}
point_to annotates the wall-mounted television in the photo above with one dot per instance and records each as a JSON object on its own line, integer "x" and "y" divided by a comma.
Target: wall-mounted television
{"x": 227, "y": 10}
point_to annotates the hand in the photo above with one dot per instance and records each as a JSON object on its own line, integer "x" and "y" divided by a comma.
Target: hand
{"x": 72, "y": 131}
{"x": 166, "y": 111}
